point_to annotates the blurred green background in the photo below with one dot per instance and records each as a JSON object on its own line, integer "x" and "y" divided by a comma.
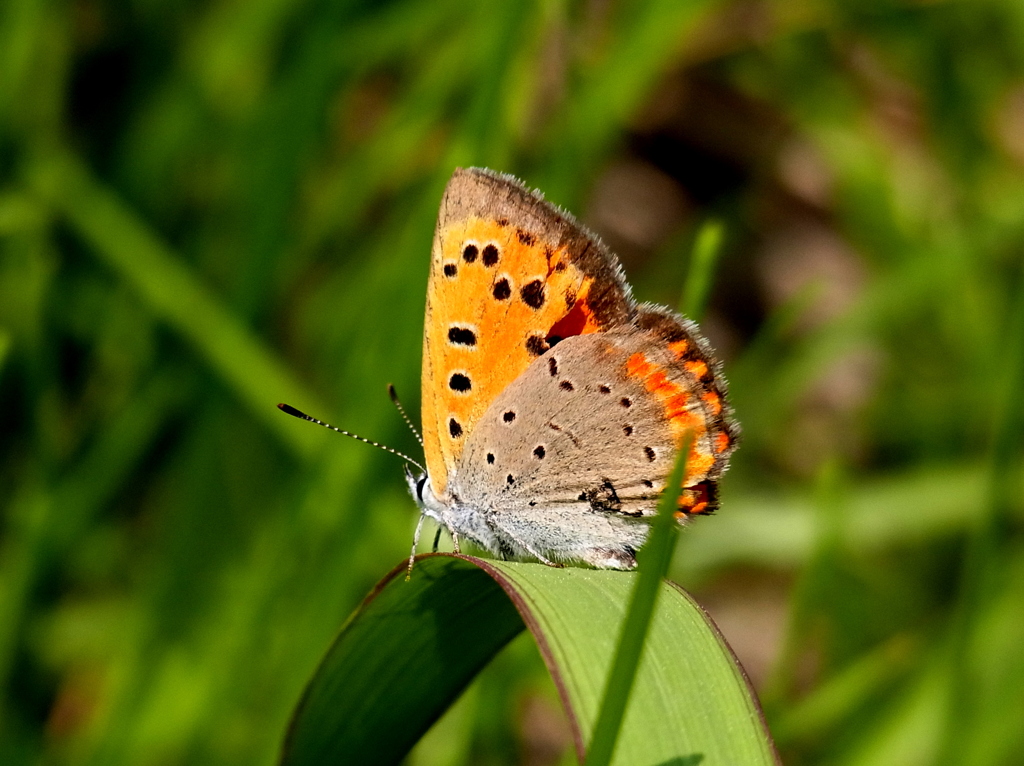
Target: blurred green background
{"x": 210, "y": 207}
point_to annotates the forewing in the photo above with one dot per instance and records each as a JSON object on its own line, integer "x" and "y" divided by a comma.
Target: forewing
{"x": 510, "y": 275}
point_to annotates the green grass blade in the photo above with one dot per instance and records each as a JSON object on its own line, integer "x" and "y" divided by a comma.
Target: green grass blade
{"x": 409, "y": 650}
{"x": 655, "y": 558}
{"x": 985, "y": 559}
{"x": 175, "y": 296}
{"x": 5, "y": 346}
{"x": 706, "y": 249}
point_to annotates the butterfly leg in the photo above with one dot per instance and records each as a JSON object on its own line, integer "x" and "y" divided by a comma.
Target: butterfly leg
{"x": 455, "y": 540}
{"x": 437, "y": 539}
{"x": 416, "y": 542}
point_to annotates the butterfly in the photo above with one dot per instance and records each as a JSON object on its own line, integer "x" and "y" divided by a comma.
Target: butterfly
{"x": 554, "y": 405}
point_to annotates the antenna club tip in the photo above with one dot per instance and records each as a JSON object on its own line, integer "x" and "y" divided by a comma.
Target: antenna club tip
{"x": 290, "y": 410}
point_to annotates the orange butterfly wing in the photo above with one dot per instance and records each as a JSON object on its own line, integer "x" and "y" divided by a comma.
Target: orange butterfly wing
{"x": 510, "y": 275}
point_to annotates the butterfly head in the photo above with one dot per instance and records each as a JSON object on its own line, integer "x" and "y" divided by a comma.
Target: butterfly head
{"x": 423, "y": 493}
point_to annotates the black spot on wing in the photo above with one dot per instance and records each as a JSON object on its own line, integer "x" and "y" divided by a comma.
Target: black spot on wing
{"x": 603, "y": 497}
{"x": 536, "y": 345}
{"x": 532, "y": 294}
{"x": 460, "y": 383}
{"x": 461, "y": 336}
{"x": 502, "y": 290}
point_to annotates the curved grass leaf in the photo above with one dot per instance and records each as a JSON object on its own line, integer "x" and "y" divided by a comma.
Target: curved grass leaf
{"x": 413, "y": 646}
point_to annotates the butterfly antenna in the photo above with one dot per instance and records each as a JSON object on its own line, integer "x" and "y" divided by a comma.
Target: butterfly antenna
{"x": 303, "y": 416}
{"x": 401, "y": 411}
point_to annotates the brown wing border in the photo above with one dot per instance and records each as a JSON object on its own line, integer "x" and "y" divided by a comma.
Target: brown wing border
{"x": 613, "y": 304}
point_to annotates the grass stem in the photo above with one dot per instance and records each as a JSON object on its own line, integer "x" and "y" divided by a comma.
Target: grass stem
{"x": 654, "y": 560}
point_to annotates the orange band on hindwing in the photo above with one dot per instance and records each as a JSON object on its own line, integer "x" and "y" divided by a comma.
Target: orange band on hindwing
{"x": 701, "y": 499}
{"x": 676, "y": 399}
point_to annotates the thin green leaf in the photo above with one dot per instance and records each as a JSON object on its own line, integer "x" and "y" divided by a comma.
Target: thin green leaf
{"x": 412, "y": 646}
{"x": 706, "y": 248}
{"x": 985, "y": 561}
{"x": 129, "y": 247}
{"x": 5, "y": 346}
{"x": 655, "y": 559}
{"x": 399, "y": 662}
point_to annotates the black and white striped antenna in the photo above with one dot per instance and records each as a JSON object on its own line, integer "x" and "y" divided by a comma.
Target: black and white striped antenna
{"x": 303, "y": 416}
{"x": 401, "y": 411}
